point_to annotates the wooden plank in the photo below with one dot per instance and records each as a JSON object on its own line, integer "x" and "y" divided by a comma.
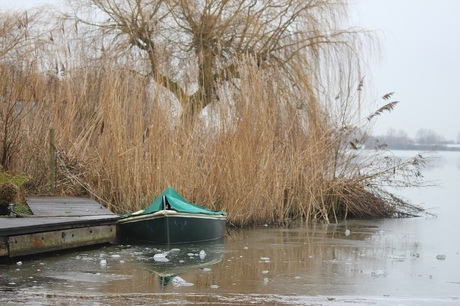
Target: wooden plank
{"x": 3, "y": 247}
{"x": 65, "y": 206}
{"x": 29, "y": 244}
{"x": 58, "y": 223}
{"x": 29, "y": 225}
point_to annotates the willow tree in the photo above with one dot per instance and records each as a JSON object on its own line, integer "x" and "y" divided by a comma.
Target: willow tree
{"x": 191, "y": 47}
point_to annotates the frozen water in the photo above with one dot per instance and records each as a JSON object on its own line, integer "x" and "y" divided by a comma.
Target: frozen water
{"x": 347, "y": 232}
{"x": 202, "y": 254}
{"x": 103, "y": 262}
{"x": 214, "y": 286}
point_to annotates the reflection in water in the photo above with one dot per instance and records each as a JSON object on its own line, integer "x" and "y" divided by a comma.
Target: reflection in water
{"x": 380, "y": 262}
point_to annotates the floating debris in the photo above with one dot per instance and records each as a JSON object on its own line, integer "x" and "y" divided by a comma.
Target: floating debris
{"x": 441, "y": 257}
{"x": 214, "y": 286}
{"x": 347, "y": 232}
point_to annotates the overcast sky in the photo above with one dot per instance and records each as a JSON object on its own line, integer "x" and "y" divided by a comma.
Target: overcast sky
{"x": 420, "y": 61}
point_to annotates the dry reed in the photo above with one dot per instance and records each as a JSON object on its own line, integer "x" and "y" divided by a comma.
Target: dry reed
{"x": 271, "y": 155}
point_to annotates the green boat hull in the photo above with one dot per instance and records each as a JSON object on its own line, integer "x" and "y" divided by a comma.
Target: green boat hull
{"x": 172, "y": 227}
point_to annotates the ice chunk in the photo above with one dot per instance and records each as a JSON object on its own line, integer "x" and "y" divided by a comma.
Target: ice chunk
{"x": 178, "y": 281}
{"x": 19, "y": 263}
{"x": 214, "y": 286}
{"x": 206, "y": 269}
{"x": 265, "y": 259}
{"x": 379, "y": 273}
{"x": 266, "y": 280}
{"x": 397, "y": 257}
{"x": 441, "y": 257}
{"x": 202, "y": 254}
{"x": 347, "y": 232}
{"x": 103, "y": 262}
{"x": 160, "y": 257}
{"x": 115, "y": 256}
{"x": 264, "y": 271}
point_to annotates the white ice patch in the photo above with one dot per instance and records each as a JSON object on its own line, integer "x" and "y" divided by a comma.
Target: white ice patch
{"x": 178, "y": 281}
{"x": 160, "y": 257}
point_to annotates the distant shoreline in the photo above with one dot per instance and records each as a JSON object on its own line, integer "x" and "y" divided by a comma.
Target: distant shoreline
{"x": 426, "y": 147}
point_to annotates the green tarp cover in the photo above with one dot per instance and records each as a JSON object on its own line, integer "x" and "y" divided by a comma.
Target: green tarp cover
{"x": 177, "y": 203}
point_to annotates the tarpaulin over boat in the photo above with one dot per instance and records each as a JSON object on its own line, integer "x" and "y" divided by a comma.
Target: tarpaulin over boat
{"x": 176, "y": 202}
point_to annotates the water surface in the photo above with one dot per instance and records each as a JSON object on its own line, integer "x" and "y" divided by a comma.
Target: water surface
{"x": 412, "y": 261}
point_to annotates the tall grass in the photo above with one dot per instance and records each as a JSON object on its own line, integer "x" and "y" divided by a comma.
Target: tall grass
{"x": 273, "y": 153}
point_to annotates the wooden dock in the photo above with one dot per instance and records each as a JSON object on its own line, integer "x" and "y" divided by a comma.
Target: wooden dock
{"x": 57, "y": 223}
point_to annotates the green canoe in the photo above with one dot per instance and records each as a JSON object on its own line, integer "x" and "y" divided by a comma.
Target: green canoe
{"x": 170, "y": 219}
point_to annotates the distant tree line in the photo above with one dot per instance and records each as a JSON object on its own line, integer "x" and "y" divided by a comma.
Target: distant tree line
{"x": 425, "y": 139}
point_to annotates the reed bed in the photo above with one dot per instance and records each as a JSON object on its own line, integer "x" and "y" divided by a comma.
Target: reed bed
{"x": 265, "y": 166}
{"x": 267, "y": 154}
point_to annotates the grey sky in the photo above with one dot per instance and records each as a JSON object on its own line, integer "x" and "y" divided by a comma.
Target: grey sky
{"x": 20, "y": 4}
{"x": 420, "y": 62}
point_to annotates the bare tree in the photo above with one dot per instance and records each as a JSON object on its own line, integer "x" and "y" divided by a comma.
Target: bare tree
{"x": 192, "y": 47}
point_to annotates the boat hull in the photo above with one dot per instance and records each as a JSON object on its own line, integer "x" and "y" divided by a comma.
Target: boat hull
{"x": 172, "y": 227}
